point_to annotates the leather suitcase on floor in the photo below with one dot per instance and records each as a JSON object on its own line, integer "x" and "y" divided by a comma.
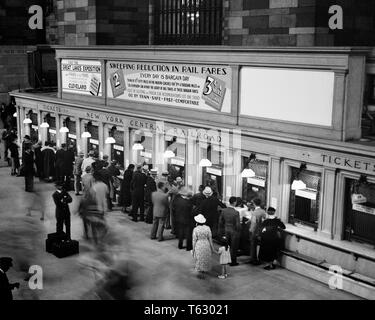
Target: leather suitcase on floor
{"x": 53, "y": 238}
{"x": 65, "y": 248}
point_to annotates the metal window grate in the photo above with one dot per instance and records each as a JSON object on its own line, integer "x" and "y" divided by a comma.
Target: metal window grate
{"x": 188, "y": 22}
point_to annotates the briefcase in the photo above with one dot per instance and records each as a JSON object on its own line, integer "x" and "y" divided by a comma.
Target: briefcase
{"x": 54, "y": 238}
{"x": 65, "y": 248}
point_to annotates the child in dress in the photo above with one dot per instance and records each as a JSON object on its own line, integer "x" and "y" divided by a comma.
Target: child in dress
{"x": 225, "y": 258}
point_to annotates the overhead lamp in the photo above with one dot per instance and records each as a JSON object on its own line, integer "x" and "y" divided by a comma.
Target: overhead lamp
{"x": 110, "y": 140}
{"x": 297, "y": 183}
{"x": 248, "y": 172}
{"x": 205, "y": 163}
{"x": 15, "y": 115}
{"x": 137, "y": 146}
{"x": 169, "y": 154}
{"x": 86, "y": 133}
{"x": 45, "y": 123}
{"x": 27, "y": 121}
{"x": 64, "y": 128}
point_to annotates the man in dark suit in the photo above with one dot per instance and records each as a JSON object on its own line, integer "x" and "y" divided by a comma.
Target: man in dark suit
{"x": 160, "y": 210}
{"x": 230, "y": 222}
{"x": 138, "y": 194}
{"x": 62, "y": 199}
{"x": 150, "y": 188}
{"x": 6, "y": 287}
{"x": 182, "y": 208}
{"x": 59, "y": 163}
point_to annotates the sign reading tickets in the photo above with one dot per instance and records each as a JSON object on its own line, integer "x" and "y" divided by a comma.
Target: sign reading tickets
{"x": 201, "y": 87}
{"x": 81, "y": 77}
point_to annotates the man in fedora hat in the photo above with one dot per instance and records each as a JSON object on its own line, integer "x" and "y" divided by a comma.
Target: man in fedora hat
{"x": 149, "y": 189}
{"x": 209, "y": 208}
{"x": 5, "y": 287}
{"x": 137, "y": 187}
{"x": 182, "y": 208}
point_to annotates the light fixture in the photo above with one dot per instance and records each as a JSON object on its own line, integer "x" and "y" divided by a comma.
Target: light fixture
{"x": 64, "y": 128}
{"x": 169, "y": 154}
{"x": 137, "y": 146}
{"x": 15, "y": 115}
{"x": 45, "y": 123}
{"x": 205, "y": 163}
{"x": 247, "y": 172}
{"x": 297, "y": 183}
{"x": 110, "y": 140}
{"x": 357, "y": 197}
{"x": 27, "y": 121}
{"x": 86, "y": 133}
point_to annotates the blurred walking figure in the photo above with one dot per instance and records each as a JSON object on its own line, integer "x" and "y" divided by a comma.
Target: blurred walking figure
{"x": 182, "y": 208}
{"x": 88, "y": 161}
{"x": 160, "y": 211}
{"x": 77, "y": 172}
{"x": 270, "y": 239}
{"x": 14, "y": 156}
{"x": 5, "y": 287}
{"x": 101, "y": 173}
{"x": 48, "y": 154}
{"x": 28, "y": 166}
{"x": 137, "y": 187}
{"x": 173, "y": 192}
{"x": 125, "y": 192}
{"x": 87, "y": 180}
{"x": 62, "y": 199}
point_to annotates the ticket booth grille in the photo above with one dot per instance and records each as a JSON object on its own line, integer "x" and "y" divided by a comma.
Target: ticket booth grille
{"x": 255, "y": 187}
{"x": 34, "y": 127}
{"x": 51, "y": 137}
{"x": 304, "y": 203}
{"x": 118, "y": 147}
{"x": 359, "y": 220}
{"x": 176, "y": 164}
{"x": 94, "y": 139}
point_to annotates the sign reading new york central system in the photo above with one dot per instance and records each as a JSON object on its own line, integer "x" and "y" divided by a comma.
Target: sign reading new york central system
{"x": 200, "y": 87}
{"x": 81, "y": 77}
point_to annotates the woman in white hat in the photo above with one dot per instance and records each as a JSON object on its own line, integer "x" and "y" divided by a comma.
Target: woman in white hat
{"x": 202, "y": 245}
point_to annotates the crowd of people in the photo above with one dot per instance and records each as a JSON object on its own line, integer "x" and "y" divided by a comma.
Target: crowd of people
{"x": 165, "y": 202}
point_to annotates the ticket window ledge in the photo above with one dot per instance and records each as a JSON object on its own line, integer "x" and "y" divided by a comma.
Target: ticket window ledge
{"x": 358, "y": 250}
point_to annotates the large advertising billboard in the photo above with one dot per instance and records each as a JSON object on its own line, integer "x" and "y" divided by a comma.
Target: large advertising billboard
{"x": 81, "y": 77}
{"x": 200, "y": 87}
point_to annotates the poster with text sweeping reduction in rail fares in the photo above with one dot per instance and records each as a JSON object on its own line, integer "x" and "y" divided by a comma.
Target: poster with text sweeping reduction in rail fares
{"x": 200, "y": 87}
{"x": 81, "y": 77}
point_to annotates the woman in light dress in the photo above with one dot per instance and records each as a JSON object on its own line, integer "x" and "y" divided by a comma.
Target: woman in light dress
{"x": 202, "y": 246}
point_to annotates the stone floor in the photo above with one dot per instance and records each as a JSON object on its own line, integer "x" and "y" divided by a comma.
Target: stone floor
{"x": 134, "y": 264}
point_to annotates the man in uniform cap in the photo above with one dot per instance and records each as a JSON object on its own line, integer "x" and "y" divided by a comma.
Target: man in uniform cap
{"x": 6, "y": 287}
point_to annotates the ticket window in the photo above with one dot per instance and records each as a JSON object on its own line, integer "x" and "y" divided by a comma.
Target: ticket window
{"x": 34, "y": 127}
{"x": 72, "y": 135}
{"x": 144, "y": 138}
{"x": 93, "y": 142}
{"x": 117, "y": 149}
{"x": 176, "y": 165}
{"x": 359, "y": 219}
{"x": 51, "y": 137}
{"x": 304, "y": 203}
{"x": 213, "y": 176}
{"x": 255, "y": 187}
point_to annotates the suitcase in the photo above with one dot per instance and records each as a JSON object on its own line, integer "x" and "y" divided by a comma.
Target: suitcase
{"x": 53, "y": 238}
{"x": 65, "y": 248}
